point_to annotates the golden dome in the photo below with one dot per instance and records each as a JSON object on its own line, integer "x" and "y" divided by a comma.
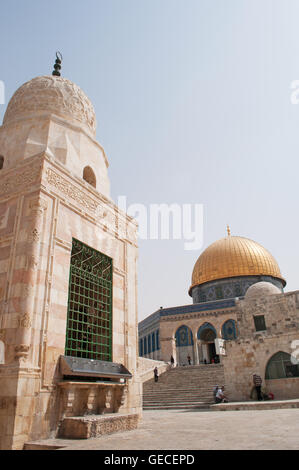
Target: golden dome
{"x": 234, "y": 256}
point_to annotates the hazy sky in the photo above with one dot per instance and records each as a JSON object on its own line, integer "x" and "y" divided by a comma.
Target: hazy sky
{"x": 193, "y": 106}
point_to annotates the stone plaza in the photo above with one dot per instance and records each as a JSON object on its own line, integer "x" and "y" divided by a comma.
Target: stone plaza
{"x": 256, "y": 429}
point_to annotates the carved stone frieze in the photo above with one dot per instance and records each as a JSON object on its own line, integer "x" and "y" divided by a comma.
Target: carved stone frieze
{"x": 71, "y": 191}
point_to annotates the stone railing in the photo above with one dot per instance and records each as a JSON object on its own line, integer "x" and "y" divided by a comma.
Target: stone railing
{"x": 145, "y": 368}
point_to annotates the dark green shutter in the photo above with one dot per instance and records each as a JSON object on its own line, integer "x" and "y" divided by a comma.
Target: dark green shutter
{"x": 89, "y": 319}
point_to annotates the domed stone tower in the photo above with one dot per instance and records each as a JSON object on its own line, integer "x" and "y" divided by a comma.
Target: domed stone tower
{"x": 67, "y": 273}
{"x": 229, "y": 266}
{"x": 53, "y": 115}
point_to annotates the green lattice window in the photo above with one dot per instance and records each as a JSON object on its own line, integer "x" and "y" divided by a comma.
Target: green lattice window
{"x": 89, "y": 320}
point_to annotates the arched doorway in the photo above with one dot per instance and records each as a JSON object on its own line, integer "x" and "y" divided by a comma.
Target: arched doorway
{"x": 206, "y": 343}
{"x": 184, "y": 346}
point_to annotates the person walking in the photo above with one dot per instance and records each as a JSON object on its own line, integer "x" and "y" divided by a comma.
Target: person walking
{"x": 189, "y": 359}
{"x": 156, "y": 374}
{"x": 172, "y": 361}
{"x": 257, "y": 382}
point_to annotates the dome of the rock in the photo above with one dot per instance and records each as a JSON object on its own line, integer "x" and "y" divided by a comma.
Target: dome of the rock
{"x": 234, "y": 257}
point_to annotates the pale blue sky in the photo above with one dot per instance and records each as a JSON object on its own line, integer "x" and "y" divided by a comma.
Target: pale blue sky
{"x": 193, "y": 106}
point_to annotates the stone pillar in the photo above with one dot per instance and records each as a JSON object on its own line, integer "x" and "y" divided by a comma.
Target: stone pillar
{"x": 168, "y": 349}
{"x": 195, "y": 351}
{"x": 205, "y": 352}
{"x": 33, "y": 236}
{"x": 199, "y": 351}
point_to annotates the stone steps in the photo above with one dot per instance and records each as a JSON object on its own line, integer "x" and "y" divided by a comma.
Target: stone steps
{"x": 178, "y": 406}
{"x": 188, "y": 387}
{"x": 157, "y": 398}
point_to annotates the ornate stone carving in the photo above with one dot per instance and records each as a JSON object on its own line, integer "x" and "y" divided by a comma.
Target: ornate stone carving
{"x": 38, "y": 205}
{"x": 70, "y": 190}
{"x": 20, "y": 180}
{"x": 24, "y": 321}
{"x": 56, "y": 95}
{"x": 34, "y": 236}
{"x": 21, "y": 351}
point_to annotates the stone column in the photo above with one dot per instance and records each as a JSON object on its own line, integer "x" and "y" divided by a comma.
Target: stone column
{"x": 199, "y": 351}
{"x": 33, "y": 237}
{"x": 195, "y": 349}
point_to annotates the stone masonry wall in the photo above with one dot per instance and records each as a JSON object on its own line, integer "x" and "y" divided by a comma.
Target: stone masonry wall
{"x": 252, "y": 350}
{"x": 248, "y": 356}
{"x": 43, "y": 207}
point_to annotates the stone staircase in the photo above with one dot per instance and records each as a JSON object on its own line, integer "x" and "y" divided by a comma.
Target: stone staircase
{"x": 183, "y": 388}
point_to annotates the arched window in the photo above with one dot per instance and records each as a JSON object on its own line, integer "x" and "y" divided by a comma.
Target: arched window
{"x": 184, "y": 336}
{"x": 229, "y": 330}
{"x": 89, "y": 176}
{"x": 280, "y": 366}
{"x": 206, "y": 332}
{"x": 1, "y": 162}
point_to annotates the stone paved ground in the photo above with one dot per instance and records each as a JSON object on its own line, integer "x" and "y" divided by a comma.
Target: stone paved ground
{"x": 205, "y": 430}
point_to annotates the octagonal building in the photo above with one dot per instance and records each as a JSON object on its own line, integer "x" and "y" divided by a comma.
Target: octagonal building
{"x": 240, "y": 318}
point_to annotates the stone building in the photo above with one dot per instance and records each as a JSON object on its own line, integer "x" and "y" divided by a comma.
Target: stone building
{"x": 67, "y": 270}
{"x": 240, "y": 317}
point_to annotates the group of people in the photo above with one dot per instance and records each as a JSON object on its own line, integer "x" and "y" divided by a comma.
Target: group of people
{"x": 257, "y": 390}
{"x": 218, "y": 391}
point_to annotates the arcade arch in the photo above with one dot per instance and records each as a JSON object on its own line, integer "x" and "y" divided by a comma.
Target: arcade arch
{"x": 206, "y": 336}
{"x": 184, "y": 346}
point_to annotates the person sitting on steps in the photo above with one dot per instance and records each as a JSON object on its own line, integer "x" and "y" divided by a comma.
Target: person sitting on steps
{"x": 220, "y": 397}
